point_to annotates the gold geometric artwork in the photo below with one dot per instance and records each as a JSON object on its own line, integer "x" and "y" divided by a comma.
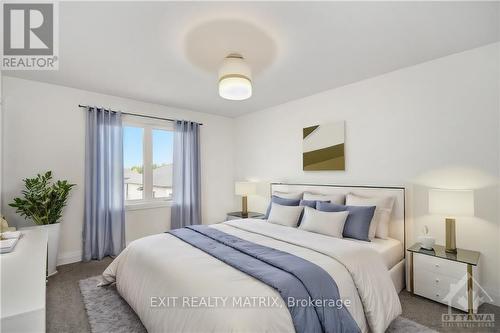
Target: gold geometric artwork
{"x": 323, "y": 147}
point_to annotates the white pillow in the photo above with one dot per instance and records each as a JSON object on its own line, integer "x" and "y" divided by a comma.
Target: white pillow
{"x": 379, "y": 227}
{"x": 285, "y": 215}
{"x": 333, "y": 198}
{"x": 286, "y": 195}
{"x": 325, "y": 223}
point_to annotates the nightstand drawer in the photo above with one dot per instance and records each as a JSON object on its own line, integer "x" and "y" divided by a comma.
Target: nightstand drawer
{"x": 440, "y": 266}
{"x": 432, "y": 285}
{"x": 443, "y": 289}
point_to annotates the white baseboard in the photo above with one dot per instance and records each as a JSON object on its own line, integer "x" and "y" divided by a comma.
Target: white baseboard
{"x": 69, "y": 257}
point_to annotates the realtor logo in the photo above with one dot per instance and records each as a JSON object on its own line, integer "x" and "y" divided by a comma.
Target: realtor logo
{"x": 455, "y": 297}
{"x": 29, "y": 36}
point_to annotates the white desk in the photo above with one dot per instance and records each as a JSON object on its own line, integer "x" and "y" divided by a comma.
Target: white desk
{"x": 23, "y": 274}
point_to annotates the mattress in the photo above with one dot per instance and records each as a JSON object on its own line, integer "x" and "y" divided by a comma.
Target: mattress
{"x": 390, "y": 249}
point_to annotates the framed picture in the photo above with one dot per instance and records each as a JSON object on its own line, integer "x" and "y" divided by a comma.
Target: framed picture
{"x": 323, "y": 147}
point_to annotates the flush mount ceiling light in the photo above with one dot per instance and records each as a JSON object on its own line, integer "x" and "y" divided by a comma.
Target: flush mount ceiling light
{"x": 235, "y": 78}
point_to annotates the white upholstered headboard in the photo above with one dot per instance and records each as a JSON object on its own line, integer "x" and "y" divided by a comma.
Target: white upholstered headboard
{"x": 397, "y": 225}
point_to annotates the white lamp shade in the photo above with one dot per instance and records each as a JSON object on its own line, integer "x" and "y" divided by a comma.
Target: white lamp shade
{"x": 235, "y": 79}
{"x": 235, "y": 88}
{"x": 245, "y": 188}
{"x": 451, "y": 202}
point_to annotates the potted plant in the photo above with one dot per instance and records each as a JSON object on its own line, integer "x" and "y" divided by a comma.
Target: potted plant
{"x": 43, "y": 202}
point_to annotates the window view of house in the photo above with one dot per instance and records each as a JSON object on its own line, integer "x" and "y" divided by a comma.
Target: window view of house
{"x": 159, "y": 143}
{"x": 162, "y": 163}
{"x": 133, "y": 146}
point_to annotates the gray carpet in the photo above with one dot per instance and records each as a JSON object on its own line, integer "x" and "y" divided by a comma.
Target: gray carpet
{"x": 108, "y": 312}
{"x": 65, "y": 309}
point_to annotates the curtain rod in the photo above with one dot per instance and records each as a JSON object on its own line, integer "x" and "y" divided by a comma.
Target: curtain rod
{"x": 137, "y": 115}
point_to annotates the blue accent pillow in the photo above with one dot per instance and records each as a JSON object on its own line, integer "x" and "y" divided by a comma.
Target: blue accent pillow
{"x": 358, "y": 221}
{"x": 309, "y": 203}
{"x": 281, "y": 201}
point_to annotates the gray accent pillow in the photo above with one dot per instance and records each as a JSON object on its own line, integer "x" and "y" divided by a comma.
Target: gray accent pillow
{"x": 308, "y": 203}
{"x": 382, "y": 216}
{"x": 358, "y": 222}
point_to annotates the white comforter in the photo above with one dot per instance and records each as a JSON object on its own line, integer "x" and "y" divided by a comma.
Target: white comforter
{"x": 162, "y": 265}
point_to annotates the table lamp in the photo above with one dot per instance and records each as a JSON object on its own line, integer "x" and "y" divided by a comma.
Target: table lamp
{"x": 244, "y": 189}
{"x": 451, "y": 203}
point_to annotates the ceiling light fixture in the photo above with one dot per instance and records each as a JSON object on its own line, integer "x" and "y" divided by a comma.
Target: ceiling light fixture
{"x": 235, "y": 78}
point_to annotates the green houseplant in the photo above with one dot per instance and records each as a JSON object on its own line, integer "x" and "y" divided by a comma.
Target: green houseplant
{"x": 43, "y": 202}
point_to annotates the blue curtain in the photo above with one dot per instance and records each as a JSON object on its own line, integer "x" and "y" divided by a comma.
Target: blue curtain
{"x": 186, "y": 208}
{"x": 104, "y": 217}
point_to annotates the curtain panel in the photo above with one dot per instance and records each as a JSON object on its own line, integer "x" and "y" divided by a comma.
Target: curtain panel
{"x": 186, "y": 185}
{"x": 104, "y": 216}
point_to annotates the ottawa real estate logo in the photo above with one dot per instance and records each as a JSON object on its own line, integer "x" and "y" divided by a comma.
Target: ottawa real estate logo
{"x": 30, "y": 36}
{"x": 456, "y": 297}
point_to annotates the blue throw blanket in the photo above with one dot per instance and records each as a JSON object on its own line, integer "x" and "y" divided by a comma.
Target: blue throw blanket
{"x": 293, "y": 277}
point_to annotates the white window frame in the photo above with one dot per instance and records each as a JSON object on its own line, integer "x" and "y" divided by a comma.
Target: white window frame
{"x": 148, "y": 125}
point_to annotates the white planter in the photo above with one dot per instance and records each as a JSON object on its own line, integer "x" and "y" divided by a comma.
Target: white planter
{"x": 52, "y": 247}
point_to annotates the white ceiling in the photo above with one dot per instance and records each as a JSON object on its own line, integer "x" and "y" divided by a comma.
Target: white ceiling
{"x": 168, "y": 52}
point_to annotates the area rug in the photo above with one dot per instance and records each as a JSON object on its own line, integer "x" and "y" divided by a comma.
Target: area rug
{"x": 109, "y": 313}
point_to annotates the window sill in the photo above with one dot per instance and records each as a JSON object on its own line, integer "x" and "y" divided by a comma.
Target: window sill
{"x": 148, "y": 205}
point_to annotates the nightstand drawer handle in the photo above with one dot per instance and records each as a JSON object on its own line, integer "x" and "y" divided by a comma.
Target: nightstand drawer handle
{"x": 436, "y": 265}
{"x": 437, "y": 295}
{"x": 437, "y": 280}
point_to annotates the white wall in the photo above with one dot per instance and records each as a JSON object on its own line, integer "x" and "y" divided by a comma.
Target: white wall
{"x": 431, "y": 125}
{"x": 44, "y": 130}
{"x": 1, "y": 138}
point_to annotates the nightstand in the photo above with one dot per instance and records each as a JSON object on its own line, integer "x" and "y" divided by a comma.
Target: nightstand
{"x": 239, "y": 215}
{"x": 448, "y": 278}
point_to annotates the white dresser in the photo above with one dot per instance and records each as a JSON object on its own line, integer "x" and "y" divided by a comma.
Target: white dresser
{"x": 23, "y": 276}
{"x": 448, "y": 278}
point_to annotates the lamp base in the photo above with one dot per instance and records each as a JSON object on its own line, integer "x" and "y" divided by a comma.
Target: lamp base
{"x": 244, "y": 206}
{"x": 451, "y": 241}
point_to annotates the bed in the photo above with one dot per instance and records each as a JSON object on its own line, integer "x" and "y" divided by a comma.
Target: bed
{"x": 177, "y": 286}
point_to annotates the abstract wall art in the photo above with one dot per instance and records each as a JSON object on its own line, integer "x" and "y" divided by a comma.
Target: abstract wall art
{"x": 323, "y": 147}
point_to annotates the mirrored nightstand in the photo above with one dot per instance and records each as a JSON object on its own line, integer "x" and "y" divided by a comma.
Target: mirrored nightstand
{"x": 448, "y": 278}
{"x": 239, "y": 215}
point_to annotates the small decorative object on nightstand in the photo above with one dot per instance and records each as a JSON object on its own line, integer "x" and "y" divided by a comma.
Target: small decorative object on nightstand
{"x": 249, "y": 215}
{"x": 426, "y": 240}
{"x": 448, "y": 278}
{"x": 244, "y": 189}
{"x": 451, "y": 203}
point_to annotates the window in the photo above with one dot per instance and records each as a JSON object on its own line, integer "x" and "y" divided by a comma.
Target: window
{"x": 147, "y": 161}
{"x": 163, "y": 143}
{"x": 133, "y": 152}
